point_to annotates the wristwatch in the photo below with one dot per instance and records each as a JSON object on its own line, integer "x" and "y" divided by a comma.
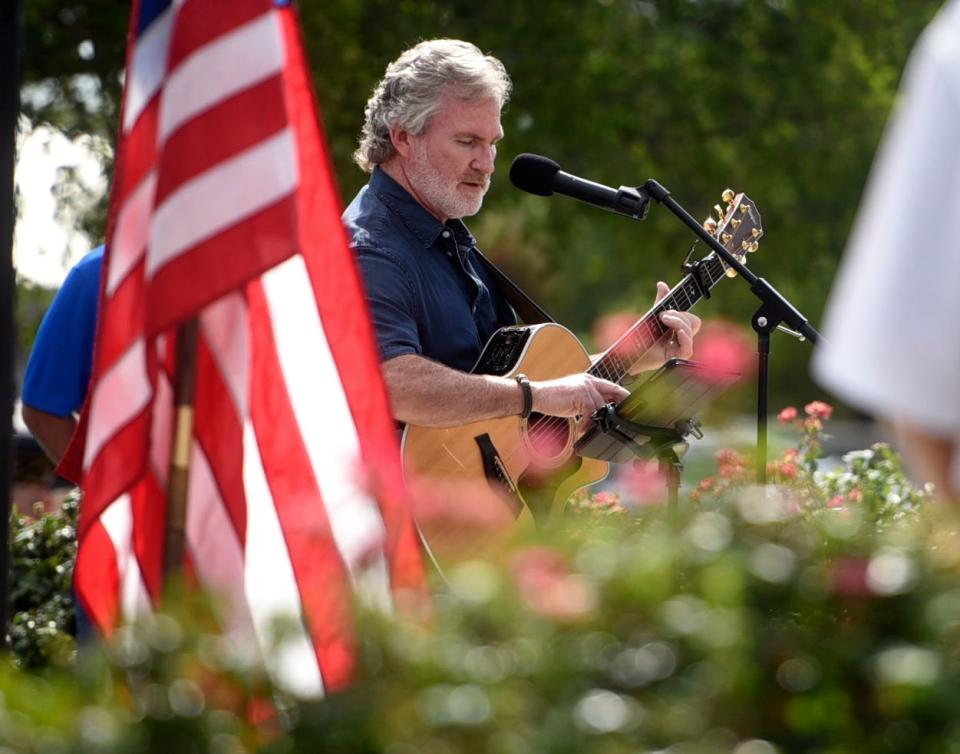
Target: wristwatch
{"x": 524, "y": 384}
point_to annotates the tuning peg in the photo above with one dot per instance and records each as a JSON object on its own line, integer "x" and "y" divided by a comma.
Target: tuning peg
{"x": 735, "y": 223}
{"x": 753, "y": 246}
{"x": 728, "y": 196}
{"x": 710, "y": 224}
{"x": 744, "y": 208}
{"x": 745, "y": 245}
{"x": 755, "y": 232}
{"x": 726, "y": 238}
{"x": 719, "y": 210}
{"x": 730, "y": 272}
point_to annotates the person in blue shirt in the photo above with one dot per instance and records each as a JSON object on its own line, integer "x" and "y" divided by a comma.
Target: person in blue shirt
{"x": 58, "y": 371}
{"x": 430, "y": 141}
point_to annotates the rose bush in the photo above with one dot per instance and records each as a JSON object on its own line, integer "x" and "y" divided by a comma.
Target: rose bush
{"x": 819, "y": 614}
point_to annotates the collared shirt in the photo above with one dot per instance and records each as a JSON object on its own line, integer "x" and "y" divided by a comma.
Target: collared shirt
{"x": 427, "y": 292}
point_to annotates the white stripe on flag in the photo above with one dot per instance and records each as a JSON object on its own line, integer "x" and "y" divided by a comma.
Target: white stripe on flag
{"x": 218, "y": 70}
{"x": 117, "y": 519}
{"x": 226, "y": 331}
{"x": 270, "y": 583}
{"x": 120, "y": 394}
{"x": 148, "y": 66}
{"x": 132, "y": 232}
{"x": 221, "y": 197}
{"x": 326, "y": 424}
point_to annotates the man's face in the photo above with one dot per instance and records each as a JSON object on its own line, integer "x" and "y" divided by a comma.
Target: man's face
{"x": 449, "y": 165}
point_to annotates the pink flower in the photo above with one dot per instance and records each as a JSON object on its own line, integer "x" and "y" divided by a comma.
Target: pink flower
{"x": 723, "y": 347}
{"x": 787, "y": 415}
{"x": 546, "y": 585}
{"x": 836, "y": 502}
{"x": 855, "y": 495}
{"x": 606, "y": 500}
{"x": 789, "y": 470}
{"x": 818, "y": 410}
{"x": 727, "y": 457}
{"x": 642, "y": 483}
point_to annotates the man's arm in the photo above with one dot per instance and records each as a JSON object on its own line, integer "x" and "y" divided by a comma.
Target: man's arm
{"x": 429, "y": 394}
{"x": 51, "y": 431}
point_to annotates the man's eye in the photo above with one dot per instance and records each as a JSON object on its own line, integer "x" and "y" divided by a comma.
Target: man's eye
{"x": 465, "y": 142}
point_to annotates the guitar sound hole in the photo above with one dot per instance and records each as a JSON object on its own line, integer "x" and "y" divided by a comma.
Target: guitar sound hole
{"x": 548, "y": 437}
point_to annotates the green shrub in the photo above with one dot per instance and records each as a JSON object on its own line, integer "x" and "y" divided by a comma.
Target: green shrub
{"x": 42, "y": 553}
{"x": 820, "y": 614}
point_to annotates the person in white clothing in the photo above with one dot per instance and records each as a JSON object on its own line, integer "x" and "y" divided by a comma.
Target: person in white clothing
{"x": 892, "y": 326}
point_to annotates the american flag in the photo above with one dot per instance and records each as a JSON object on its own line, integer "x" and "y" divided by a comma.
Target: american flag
{"x": 224, "y": 208}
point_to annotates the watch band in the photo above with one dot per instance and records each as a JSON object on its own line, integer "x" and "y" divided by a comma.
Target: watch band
{"x": 524, "y": 384}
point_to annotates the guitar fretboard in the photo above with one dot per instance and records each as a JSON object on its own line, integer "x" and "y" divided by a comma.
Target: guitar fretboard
{"x": 622, "y": 355}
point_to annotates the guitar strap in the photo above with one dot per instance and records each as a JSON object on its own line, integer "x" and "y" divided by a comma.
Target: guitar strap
{"x": 528, "y": 310}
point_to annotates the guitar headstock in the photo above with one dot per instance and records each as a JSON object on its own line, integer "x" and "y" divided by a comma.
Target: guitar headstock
{"x": 738, "y": 227}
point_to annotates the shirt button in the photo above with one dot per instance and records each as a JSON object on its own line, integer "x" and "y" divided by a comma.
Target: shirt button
{"x": 446, "y": 234}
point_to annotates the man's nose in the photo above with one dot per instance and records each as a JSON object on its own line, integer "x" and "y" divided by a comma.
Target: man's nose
{"x": 484, "y": 161}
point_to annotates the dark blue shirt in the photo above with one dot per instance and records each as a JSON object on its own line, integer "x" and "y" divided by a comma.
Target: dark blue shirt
{"x": 58, "y": 371}
{"x": 427, "y": 292}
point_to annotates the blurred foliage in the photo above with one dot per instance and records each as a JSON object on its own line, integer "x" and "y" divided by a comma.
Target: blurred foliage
{"x": 782, "y": 99}
{"x": 752, "y": 621}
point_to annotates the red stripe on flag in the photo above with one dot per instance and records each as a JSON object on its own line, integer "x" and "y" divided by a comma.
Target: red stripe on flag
{"x": 140, "y": 146}
{"x": 320, "y": 573}
{"x": 96, "y": 578}
{"x": 125, "y": 312}
{"x": 220, "y": 133}
{"x": 199, "y": 23}
{"x": 148, "y": 503}
{"x": 219, "y": 430}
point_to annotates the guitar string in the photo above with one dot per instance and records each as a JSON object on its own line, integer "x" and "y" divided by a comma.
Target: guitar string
{"x": 558, "y": 427}
{"x": 714, "y": 272}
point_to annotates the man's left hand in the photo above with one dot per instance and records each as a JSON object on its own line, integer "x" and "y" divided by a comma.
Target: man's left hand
{"x": 677, "y": 343}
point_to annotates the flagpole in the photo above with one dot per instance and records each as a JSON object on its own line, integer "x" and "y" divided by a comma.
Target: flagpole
{"x": 9, "y": 112}
{"x": 184, "y": 388}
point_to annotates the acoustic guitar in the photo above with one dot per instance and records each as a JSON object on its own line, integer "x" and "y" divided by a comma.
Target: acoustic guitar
{"x": 507, "y": 451}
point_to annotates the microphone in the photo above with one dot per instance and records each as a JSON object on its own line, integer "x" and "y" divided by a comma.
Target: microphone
{"x": 540, "y": 175}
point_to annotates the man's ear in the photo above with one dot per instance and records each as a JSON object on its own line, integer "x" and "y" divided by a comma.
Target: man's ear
{"x": 400, "y": 138}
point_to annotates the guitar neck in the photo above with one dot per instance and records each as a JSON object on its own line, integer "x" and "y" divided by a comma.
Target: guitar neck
{"x": 616, "y": 361}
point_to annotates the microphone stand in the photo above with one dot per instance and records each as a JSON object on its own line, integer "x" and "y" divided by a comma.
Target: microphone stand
{"x": 775, "y": 311}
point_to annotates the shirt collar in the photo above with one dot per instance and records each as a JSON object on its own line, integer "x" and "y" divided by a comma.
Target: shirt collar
{"x": 413, "y": 214}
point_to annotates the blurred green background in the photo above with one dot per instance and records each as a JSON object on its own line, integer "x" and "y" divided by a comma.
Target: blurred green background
{"x": 783, "y": 99}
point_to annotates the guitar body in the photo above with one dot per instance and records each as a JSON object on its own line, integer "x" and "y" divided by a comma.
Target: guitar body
{"x": 526, "y": 451}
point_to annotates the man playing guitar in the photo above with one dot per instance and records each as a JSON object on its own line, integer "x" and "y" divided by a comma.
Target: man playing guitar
{"x": 430, "y": 142}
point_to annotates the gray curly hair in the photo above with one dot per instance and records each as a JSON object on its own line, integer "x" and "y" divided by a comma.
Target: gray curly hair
{"x": 411, "y": 89}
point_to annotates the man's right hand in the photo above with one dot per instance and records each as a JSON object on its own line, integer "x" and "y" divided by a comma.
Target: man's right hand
{"x": 575, "y": 395}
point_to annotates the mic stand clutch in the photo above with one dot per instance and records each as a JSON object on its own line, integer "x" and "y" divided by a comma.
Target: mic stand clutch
{"x": 775, "y": 311}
